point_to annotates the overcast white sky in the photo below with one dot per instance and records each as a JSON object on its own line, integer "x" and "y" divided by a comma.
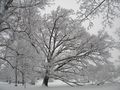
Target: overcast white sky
{"x": 72, "y": 4}
{"x": 68, "y": 4}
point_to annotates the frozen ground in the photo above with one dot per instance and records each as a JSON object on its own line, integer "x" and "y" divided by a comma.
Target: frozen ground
{"x": 5, "y": 86}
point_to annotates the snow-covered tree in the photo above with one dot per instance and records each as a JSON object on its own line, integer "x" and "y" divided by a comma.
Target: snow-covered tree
{"x": 10, "y": 21}
{"x": 67, "y": 47}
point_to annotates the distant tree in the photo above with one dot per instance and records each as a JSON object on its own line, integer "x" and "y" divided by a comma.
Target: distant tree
{"x": 101, "y": 73}
{"x": 10, "y": 18}
{"x": 117, "y": 46}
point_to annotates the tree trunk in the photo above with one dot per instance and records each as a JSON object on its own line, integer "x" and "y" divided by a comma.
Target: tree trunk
{"x": 46, "y": 79}
{"x": 16, "y": 73}
{"x": 23, "y": 79}
{"x": 16, "y": 78}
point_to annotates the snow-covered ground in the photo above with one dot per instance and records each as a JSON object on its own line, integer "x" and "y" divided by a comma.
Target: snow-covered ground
{"x": 5, "y": 86}
{"x": 51, "y": 84}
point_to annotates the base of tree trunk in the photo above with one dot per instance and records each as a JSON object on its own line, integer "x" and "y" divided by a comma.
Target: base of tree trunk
{"x": 45, "y": 81}
{"x": 16, "y": 85}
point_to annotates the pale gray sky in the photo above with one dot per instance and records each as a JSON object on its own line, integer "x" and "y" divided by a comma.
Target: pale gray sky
{"x": 67, "y": 4}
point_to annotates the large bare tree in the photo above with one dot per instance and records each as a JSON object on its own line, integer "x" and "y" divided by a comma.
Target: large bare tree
{"x": 67, "y": 47}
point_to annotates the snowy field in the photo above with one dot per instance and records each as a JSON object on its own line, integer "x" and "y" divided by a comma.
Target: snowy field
{"x": 5, "y": 86}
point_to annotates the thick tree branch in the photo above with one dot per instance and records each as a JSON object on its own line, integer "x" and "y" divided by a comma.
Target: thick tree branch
{"x": 92, "y": 11}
